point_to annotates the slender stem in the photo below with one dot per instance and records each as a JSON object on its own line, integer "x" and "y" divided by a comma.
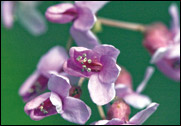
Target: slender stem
{"x": 81, "y": 80}
{"x": 122, "y": 24}
{"x": 101, "y": 112}
{"x": 69, "y": 43}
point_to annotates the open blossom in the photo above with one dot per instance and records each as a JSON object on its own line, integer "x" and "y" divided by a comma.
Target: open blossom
{"x": 82, "y": 14}
{"x": 58, "y": 101}
{"x": 164, "y": 45}
{"x": 137, "y": 119}
{"x": 26, "y": 13}
{"x": 37, "y": 82}
{"x": 98, "y": 64}
{"x": 124, "y": 89}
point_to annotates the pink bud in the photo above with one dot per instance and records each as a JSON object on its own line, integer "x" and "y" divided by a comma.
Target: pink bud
{"x": 124, "y": 78}
{"x": 119, "y": 109}
{"x": 75, "y": 92}
{"x": 156, "y": 36}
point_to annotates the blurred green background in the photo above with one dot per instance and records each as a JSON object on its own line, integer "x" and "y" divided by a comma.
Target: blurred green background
{"x": 21, "y": 52}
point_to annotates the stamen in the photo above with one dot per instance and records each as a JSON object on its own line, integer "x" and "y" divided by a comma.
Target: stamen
{"x": 88, "y": 69}
{"x": 31, "y": 90}
{"x": 85, "y": 59}
{"x": 84, "y": 55}
{"x": 79, "y": 58}
{"x": 89, "y": 61}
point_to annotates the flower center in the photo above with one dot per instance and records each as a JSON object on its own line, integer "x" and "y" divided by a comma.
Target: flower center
{"x": 75, "y": 92}
{"x": 89, "y": 65}
{"x": 45, "y": 108}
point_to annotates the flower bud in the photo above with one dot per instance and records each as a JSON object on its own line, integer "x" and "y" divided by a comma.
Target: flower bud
{"x": 119, "y": 109}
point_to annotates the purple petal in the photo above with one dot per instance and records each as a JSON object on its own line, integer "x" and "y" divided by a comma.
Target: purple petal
{"x": 75, "y": 110}
{"x": 148, "y": 74}
{"x": 85, "y": 20}
{"x": 101, "y": 93}
{"x": 143, "y": 115}
{"x": 56, "y": 101}
{"x": 107, "y": 50}
{"x": 59, "y": 85}
{"x": 174, "y": 12}
{"x": 31, "y": 106}
{"x": 137, "y": 100}
{"x": 110, "y": 70}
{"x": 100, "y": 122}
{"x": 84, "y": 38}
{"x": 53, "y": 60}
{"x": 115, "y": 121}
{"x": 173, "y": 51}
{"x": 94, "y": 6}
{"x": 7, "y": 12}
{"x": 61, "y": 13}
{"x": 32, "y": 20}
{"x": 73, "y": 80}
{"x": 122, "y": 90}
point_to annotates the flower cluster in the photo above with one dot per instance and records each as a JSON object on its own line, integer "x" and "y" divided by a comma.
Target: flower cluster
{"x": 108, "y": 83}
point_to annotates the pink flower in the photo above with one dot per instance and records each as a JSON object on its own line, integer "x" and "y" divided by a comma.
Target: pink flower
{"x": 82, "y": 14}
{"x": 98, "y": 64}
{"x": 164, "y": 45}
{"x": 124, "y": 89}
{"x": 37, "y": 82}
{"x": 26, "y": 13}
{"x": 137, "y": 119}
{"x": 58, "y": 102}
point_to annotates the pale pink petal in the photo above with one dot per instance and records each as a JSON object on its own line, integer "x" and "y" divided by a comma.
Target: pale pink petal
{"x": 75, "y": 110}
{"x": 101, "y": 93}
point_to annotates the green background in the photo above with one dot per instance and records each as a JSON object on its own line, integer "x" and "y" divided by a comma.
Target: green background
{"x": 21, "y": 52}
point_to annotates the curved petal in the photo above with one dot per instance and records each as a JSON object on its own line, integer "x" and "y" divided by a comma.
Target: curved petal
{"x": 101, "y": 93}
{"x": 137, "y": 100}
{"x": 61, "y": 13}
{"x": 32, "y": 20}
{"x": 174, "y": 12}
{"x": 115, "y": 121}
{"x": 56, "y": 101}
{"x": 53, "y": 60}
{"x": 110, "y": 70}
{"x": 59, "y": 85}
{"x": 100, "y": 122}
{"x": 75, "y": 111}
{"x": 94, "y": 6}
{"x": 143, "y": 115}
{"x": 107, "y": 50}
{"x": 7, "y": 12}
{"x": 85, "y": 20}
{"x": 173, "y": 51}
{"x": 148, "y": 74}
{"x": 84, "y": 38}
{"x": 73, "y": 80}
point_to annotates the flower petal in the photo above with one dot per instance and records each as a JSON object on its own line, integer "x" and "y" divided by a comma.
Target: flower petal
{"x": 143, "y": 115}
{"x": 174, "y": 12}
{"x": 159, "y": 54}
{"x": 100, "y": 122}
{"x": 110, "y": 70}
{"x": 73, "y": 80}
{"x": 32, "y": 20}
{"x": 101, "y": 93}
{"x": 61, "y": 13}
{"x": 107, "y": 50}
{"x": 148, "y": 74}
{"x": 53, "y": 60}
{"x": 115, "y": 121}
{"x": 122, "y": 90}
{"x": 173, "y": 51}
{"x": 137, "y": 100}
{"x": 94, "y": 6}
{"x": 56, "y": 101}
{"x": 84, "y": 38}
{"x": 59, "y": 85}
{"x": 75, "y": 111}
{"x": 85, "y": 20}
{"x": 7, "y": 12}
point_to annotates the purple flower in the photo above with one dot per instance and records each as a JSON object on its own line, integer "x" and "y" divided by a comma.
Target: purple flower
{"x": 164, "y": 45}
{"x": 82, "y": 14}
{"x": 98, "y": 64}
{"x": 37, "y": 82}
{"x": 26, "y": 13}
{"x": 58, "y": 102}
{"x": 137, "y": 119}
{"x": 125, "y": 91}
